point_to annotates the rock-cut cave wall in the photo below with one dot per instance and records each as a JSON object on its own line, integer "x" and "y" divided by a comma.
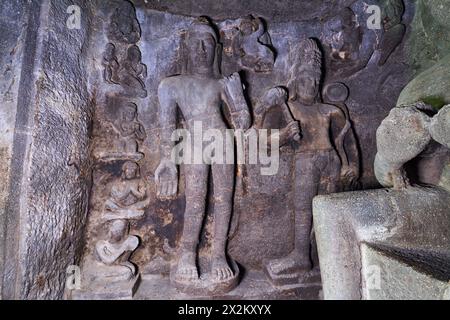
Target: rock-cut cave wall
{"x": 47, "y": 113}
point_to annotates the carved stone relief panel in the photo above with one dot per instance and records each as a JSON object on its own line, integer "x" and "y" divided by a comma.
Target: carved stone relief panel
{"x": 120, "y": 194}
{"x": 212, "y": 229}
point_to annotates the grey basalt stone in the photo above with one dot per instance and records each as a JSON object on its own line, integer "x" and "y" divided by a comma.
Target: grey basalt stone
{"x": 412, "y": 220}
{"x": 88, "y": 107}
{"x": 48, "y": 200}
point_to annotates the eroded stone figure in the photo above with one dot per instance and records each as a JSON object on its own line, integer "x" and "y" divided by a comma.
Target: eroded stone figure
{"x": 255, "y": 53}
{"x": 110, "y": 64}
{"x": 199, "y": 94}
{"x": 393, "y": 28}
{"x": 403, "y": 135}
{"x": 115, "y": 251}
{"x": 124, "y": 26}
{"x": 132, "y": 73}
{"x": 247, "y": 45}
{"x": 344, "y": 38}
{"x": 129, "y": 131}
{"x": 319, "y": 168}
{"x": 128, "y": 197}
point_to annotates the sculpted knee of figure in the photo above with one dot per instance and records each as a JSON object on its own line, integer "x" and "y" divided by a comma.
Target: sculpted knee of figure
{"x": 402, "y": 136}
{"x": 319, "y": 165}
{"x": 198, "y": 94}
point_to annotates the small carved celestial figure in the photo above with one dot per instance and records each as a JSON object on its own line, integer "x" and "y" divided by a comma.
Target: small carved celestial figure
{"x": 255, "y": 53}
{"x": 128, "y": 195}
{"x": 129, "y": 130}
{"x": 110, "y": 64}
{"x": 132, "y": 73}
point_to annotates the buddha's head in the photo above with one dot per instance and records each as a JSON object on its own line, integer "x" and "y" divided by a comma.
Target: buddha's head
{"x": 202, "y": 48}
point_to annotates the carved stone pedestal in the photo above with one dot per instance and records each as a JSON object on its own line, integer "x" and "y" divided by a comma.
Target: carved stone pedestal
{"x": 254, "y": 285}
{"x": 294, "y": 280}
{"x": 206, "y": 285}
{"x": 105, "y": 290}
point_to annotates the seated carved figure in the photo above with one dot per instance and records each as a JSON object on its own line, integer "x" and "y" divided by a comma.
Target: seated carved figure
{"x": 114, "y": 252}
{"x": 132, "y": 73}
{"x": 128, "y": 197}
{"x": 255, "y": 53}
{"x": 129, "y": 131}
{"x": 124, "y": 26}
{"x": 403, "y": 135}
{"x": 110, "y": 64}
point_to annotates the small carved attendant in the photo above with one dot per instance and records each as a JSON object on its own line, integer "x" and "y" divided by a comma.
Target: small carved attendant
{"x": 124, "y": 26}
{"x": 393, "y": 28}
{"x": 129, "y": 129}
{"x": 255, "y": 53}
{"x": 344, "y": 37}
{"x": 128, "y": 200}
{"x": 128, "y": 195}
{"x": 116, "y": 250}
{"x": 110, "y": 64}
{"x": 133, "y": 72}
{"x": 318, "y": 165}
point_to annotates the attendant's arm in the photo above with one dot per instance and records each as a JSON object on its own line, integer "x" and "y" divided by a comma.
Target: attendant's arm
{"x": 233, "y": 96}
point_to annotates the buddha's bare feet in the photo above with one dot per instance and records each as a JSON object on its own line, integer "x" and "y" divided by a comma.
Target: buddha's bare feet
{"x": 292, "y": 263}
{"x": 220, "y": 269}
{"x": 187, "y": 269}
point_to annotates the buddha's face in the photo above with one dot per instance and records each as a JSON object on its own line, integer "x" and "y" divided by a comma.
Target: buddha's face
{"x": 202, "y": 51}
{"x": 307, "y": 87}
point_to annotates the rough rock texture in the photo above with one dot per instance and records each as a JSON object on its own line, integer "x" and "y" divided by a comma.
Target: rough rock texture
{"x": 50, "y": 173}
{"x": 277, "y": 11}
{"x": 402, "y": 278}
{"x": 412, "y": 220}
{"x": 11, "y": 55}
{"x": 429, "y": 40}
{"x": 430, "y": 86}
